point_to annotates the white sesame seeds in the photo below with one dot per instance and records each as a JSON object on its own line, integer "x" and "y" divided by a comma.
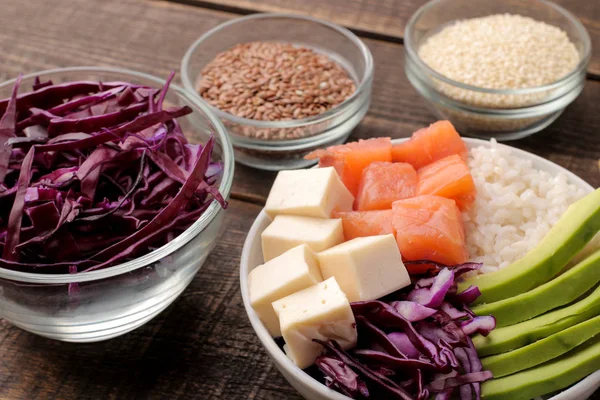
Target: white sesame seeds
{"x": 501, "y": 51}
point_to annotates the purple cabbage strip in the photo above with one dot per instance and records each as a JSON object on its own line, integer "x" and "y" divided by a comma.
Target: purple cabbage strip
{"x": 448, "y": 383}
{"x": 167, "y": 214}
{"x": 140, "y": 122}
{"x": 482, "y": 325}
{"x": 16, "y": 213}
{"x": 81, "y": 161}
{"x": 95, "y": 123}
{"x": 373, "y": 356}
{"x": 451, "y": 327}
{"x": 163, "y": 91}
{"x": 53, "y": 95}
{"x": 468, "y": 296}
{"x": 342, "y": 377}
{"x": 434, "y": 296}
{"x": 453, "y": 312}
{"x": 8, "y": 129}
{"x": 420, "y": 345}
{"x": 386, "y": 316}
{"x": 37, "y": 84}
{"x": 412, "y": 311}
{"x": 403, "y": 343}
{"x": 445, "y": 395}
{"x": 73, "y": 288}
{"x": 63, "y": 108}
{"x": 393, "y": 390}
{"x": 123, "y": 198}
{"x": 379, "y": 337}
{"x": 134, "y": 247}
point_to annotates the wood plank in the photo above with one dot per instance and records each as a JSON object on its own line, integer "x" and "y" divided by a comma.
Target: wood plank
{"x": 134, "y": 42}
{"x": 387, "y": 18}
{"x": 201, "y": 347}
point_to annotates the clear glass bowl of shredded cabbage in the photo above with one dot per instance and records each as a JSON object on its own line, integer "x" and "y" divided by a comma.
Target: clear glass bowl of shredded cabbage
{"x": 124, "y": 237}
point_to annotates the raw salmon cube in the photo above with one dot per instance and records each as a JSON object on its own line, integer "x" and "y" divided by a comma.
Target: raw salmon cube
{"x": 383, "y": 183}
{"x": 448, "y": 177}
{"x": 350, "y": 159}
{"x": 430, "y": 228}
{"x": 429, "y": 144}
{"x": 365, "y": 223}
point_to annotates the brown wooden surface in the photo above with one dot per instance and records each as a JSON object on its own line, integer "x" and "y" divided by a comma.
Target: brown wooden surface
{"x": 386, "y": 19}
{"x": 203, "y": 346}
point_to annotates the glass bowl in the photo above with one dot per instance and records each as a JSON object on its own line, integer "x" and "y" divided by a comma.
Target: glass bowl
{"x": 116, "y": 300}
{"x": 532, "y": 108}
{"x": 329, "y": 128}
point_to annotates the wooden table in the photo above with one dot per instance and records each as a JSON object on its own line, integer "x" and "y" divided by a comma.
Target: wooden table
{"x": 203, "y": 346}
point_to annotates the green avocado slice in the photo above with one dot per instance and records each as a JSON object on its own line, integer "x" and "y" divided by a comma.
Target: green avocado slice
{"x": 543, "y": 350}
{"x": 561, "y": 290}
{"x": 568, "y": 236}
{"x": 508, "y": 338}
{"x": 546, "y": 378}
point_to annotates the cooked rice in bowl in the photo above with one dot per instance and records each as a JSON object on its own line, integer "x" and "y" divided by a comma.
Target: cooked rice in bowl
{"x": 516, "y": 206}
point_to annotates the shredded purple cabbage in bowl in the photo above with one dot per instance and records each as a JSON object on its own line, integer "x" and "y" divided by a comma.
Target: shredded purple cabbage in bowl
{"x": 95, "y": 174}
{"x": 414, "y": 346}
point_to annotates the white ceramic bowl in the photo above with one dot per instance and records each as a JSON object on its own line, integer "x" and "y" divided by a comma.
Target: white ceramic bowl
{"x": 310, "y": 388}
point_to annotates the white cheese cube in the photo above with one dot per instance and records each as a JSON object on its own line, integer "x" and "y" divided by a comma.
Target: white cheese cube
{"x": 294, "y": 270}
{"x": 314, "y": 192}
{"x": 319, "y": 312}
{"x": 366, "y": 268}
{"x": 288, "y": 231}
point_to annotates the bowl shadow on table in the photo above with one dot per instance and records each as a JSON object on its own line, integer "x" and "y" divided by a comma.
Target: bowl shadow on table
{"x": 202, "y": 346}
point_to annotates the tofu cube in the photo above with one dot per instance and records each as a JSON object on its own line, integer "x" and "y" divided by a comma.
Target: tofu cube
{"x": 319, "y": 312}
{"x": 366, "y": 268}
{"x": 294, "y": 270}
{"x": 288, "y": 231}
{"x": 314, "y": 192}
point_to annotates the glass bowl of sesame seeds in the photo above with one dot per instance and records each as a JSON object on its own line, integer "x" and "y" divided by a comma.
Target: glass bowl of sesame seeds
{"x": 283, "y": 85}
{"x": 502, "y": 69}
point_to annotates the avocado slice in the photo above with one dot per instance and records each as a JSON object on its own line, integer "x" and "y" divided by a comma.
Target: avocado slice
{"x": 561, "y": 290}
{"x": 543, "y": 350}
{"x": 546, "y": 378}
{"x": 508, "y": 338}
{"x": 568, "y": 236}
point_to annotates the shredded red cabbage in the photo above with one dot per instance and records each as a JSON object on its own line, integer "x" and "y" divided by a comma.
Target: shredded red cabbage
{"x": 94, "y": 174}
{"x": 417, "y": 348}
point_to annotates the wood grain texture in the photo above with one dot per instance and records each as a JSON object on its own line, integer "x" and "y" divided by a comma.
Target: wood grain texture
{"x": 133, "y": 41}
{"x": 202, "y": 347}
{"x": 387, "y": 19}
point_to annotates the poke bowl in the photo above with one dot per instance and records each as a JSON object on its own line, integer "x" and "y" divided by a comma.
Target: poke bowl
{"x": 313, "y": 383}
{"x": 96, "y": 304}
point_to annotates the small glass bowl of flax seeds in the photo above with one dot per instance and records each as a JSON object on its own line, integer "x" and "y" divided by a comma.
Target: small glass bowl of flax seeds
{"x": 503, "y": 69}
{"x": 283, "y": 85}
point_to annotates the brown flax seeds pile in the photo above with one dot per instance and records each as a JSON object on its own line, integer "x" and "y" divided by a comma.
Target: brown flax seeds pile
{"x": 272, "y": 81}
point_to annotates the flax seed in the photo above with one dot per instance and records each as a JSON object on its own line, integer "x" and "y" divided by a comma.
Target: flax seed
{"x": 274, "y": 81}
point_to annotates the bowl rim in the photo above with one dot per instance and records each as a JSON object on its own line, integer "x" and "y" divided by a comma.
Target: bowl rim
{"x": 285, "y": 364}
{"x": 198, "y": 226}
{"x": 362, "y": 85}
{"x": 544, "y": 107}
{"x": 413, "y": 54}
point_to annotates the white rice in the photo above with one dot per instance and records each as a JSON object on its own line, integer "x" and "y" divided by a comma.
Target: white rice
{"x": 515, "y": 207}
